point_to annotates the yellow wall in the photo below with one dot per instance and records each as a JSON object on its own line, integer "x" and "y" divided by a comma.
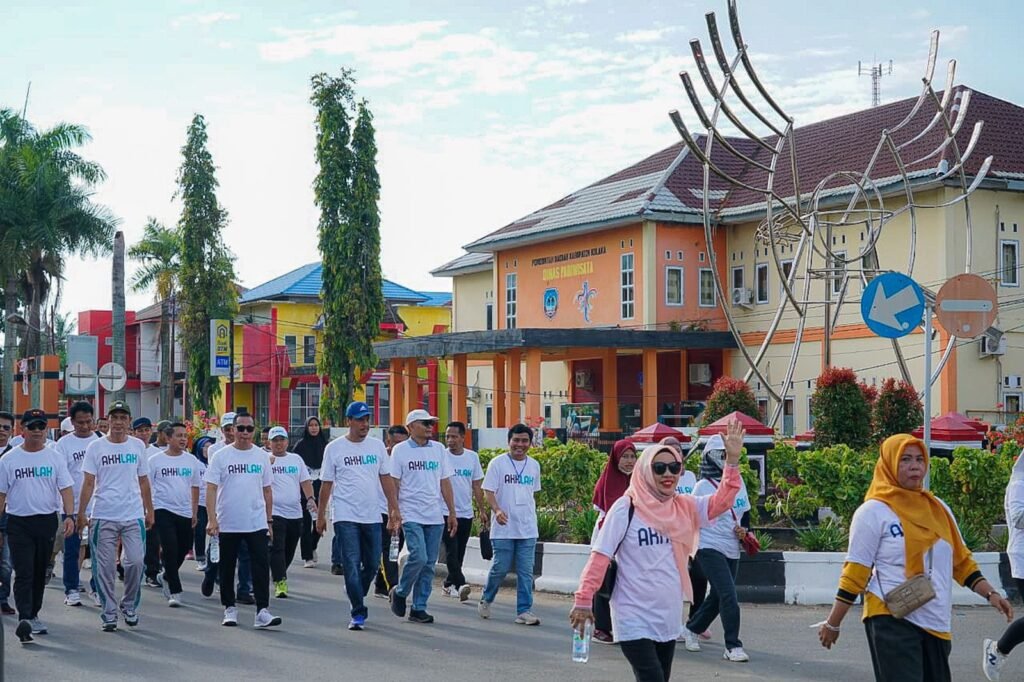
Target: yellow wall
{"x": 471, "y": 294}
{"x": 421, "y": 320}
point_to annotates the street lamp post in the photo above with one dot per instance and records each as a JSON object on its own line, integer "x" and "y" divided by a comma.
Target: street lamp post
{"x": 15, "y": 318}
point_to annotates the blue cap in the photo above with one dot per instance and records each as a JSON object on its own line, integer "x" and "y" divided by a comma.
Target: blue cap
{"x": 357, "y": 410}
{"x": 142, "y": 421}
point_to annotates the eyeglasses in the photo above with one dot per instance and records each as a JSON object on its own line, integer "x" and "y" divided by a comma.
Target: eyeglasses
{"x": 428, "y": 424}
{"x": 36, "y": 426}
{"x": 245, "y": 429}
{"x": 6, "y": 427}
{"x": 660, "y": 468}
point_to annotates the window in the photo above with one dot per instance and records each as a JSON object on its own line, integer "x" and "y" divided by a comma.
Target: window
{"x": 1011, "y": 407}
{"x": 547, "y": 414}
{"x": 511, "y": 281}
{"x": 383, "y": 404}
{"x": 289, "y": 346}
{"x": 309, "y": 350}
{"x": 673, "y": 285}
{"x": 305, "y": 403}
{"x": 762, "y": 410}
{"x": 626, "y": 290}
{"x": 1009, "y": 262}
{"x": 469, "y": 416}
{"x": 261, "y": 404}
{"x": 738, "y": 277}
{"x": 788, "y": 414}
{"x": 489, "y": 416}
{"x": 838, "y": 276}
{"x": 761, "y": 280}
{"x": 489, "y": 315}
{"x": 707, "y": 288}
{"x": 810, "y": 414}
{"x": 787, "y": 268}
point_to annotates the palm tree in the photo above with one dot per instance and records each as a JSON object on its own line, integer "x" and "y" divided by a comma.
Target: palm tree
{"x": 159, "y": 251}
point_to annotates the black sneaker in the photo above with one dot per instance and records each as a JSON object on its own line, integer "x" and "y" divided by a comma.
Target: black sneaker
{"x": 336, "y": 569}
{"x": 24, "y": 631}
{"x": 397, "y": 602}
{"x": 245, "y": 599}
{"x": 6, "y": 609}
{"x": 109, "y": 625}
{"x": 49, "y": 573}
{"x": 420, "y": 617}
{"x": 208, "y": 582}
{"x": 153, "y": 582}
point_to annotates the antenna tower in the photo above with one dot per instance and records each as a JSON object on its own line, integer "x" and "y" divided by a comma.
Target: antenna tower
{"x": 876, "y": 72}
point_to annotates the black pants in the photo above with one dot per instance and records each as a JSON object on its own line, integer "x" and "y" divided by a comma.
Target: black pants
{"x": 455, "y": 551}
{"x": 651, "y": 661}
{"x": 699, "y": 582}
{"x": 282, "y": 551}
{"x": 310, "y": 538}
{"x": 387, "y": 573}
{"x": 152, "y": 558}
{"x": 602, "y": 614}
{"x": 174, "y": 533}
{"x": 1014, "y": 634}
{"x": 903, "y": 652}
{"x": 256, "y": 543}
{"x": 199, "y": 539}
{"x": 31, "y": 540}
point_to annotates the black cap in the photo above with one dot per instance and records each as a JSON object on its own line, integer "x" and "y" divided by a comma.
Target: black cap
{"x": 119, "y": 406}
{"x": 32, "y": 416}
{"x": 142, "y": 421}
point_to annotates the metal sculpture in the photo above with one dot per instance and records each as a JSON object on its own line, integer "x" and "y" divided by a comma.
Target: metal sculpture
{"x": 801, "y": 220}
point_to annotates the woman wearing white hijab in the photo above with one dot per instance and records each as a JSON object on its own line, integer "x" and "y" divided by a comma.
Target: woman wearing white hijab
{"x": 996, "y": 652}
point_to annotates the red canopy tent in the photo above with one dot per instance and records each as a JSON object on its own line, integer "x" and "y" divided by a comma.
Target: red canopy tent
{"x": 656, "y": 432}
{"x": 950, "y": 431}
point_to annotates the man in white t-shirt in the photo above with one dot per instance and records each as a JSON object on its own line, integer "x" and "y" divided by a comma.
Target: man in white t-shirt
{"x": 175, "y": 476}
{"x": 422, "y": 476}
{"x": 116, "y": 470}
{"x": 73, "y": 447}
{"x": 142, "y": 428}
{"x": 467, "y": 477}
{"x": 227, "y": 432}
{"x": 291, "y": 484}
{"x": 354, "y": 472}
{"x": 34, "y": 486}
{"x": 239, "y": 501}
{"x": 510, "y": 484}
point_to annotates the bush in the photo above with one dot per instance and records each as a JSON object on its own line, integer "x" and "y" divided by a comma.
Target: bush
{"x": 841, "y": 411}
{"x": 979, "y": 480}
{"x": 828, "y": 536}
{"x": 581, "y": 525}
{"x": 766, "y": 539}
{"x": 548, "y": 527}
{"x": 897, "y": 409}
{"x": 727, "y": 396}
{"x": 788, "y": 497}
{"x": 568, "y": 474}
{"x": 839, "y": 476}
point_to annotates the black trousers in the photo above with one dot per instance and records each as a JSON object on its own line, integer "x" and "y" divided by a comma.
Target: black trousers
{"x": 455, "y": 551}
{"x": 699, "y": 582}
{"x": 174, "y": 534}
{"x": 258, "y": 546}
{"x": 310, "y": 538}
{"x": 387, "y": 572}
{"x": 903, "y": 652}
{"x": 152, "y": 558}
{"x": 1014, "y": 634}
{"x": 651, "y": 661}
{"x": 282, "y": 551}
{"x": 31, "y": 540}
{"x": 602, "y": 614}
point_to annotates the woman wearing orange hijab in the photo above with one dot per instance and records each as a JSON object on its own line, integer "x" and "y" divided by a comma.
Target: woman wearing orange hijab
{"x": 652, "y": 547}
{"x": 903, "y": 530}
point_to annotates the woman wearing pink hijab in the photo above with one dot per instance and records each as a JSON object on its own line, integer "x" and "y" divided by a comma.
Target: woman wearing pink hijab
{"x": 652, "y": 532}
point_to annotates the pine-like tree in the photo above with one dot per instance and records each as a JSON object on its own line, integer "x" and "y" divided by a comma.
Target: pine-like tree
{"x": 207, "y": 270}
{"x": 897, "y": 410}
{"x": 841, "y": 412}
{"x": 347, "y": 189}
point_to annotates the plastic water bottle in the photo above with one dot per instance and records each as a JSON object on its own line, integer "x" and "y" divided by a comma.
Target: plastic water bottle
{"x": 214, "y": 552}
{"x": 393, "y": 551}
{"x": 581, "y": 643}
{"x": 85, "y": 533}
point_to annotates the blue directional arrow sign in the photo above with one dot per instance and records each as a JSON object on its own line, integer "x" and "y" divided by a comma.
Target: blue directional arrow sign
{"x": 892, "y": 305}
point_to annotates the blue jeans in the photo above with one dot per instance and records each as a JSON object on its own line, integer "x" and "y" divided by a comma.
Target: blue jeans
{"x": 721, "y": 601}
{"x": 423, "y": 541}
{"x": 522, "y": 552}
{"x": 336, "y": 551}
{"x": 360, "y": 543}
{"x": 72, "y": 544}
{"x": 6, "y": 570}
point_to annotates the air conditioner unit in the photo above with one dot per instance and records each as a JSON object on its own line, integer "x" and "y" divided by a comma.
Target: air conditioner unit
{"x": 474, "y": 394}
{"x": 700, "y": 373}
{"x": 742, "y": 296}
{"x": 583, "y": 379}
{"x": 1011, "y": 381}
{"x": 987, "y": 346}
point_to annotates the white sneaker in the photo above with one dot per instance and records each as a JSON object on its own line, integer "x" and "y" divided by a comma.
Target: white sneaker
{"x": 484, "y": 609}
{"x": 73, "y": 598}
{"x": 230, "y": 617}
{"x": 264, "y": 619}
{"x": 463, "y": 593}
{"x": 96, "y": 599}
{"x": 165, "y": 590}
{"x": 737, "y": 655}
{"x": 309, "y": 563}
{"x": 527, "y": 618}
{"x": 691, "y": 641}
{"x": 37, "y": 627}
{"x": 316, "y": 556}
{"x": 174, "y": 601}
{"x": 992, "y": 660}
{"x": 450, "y": 591}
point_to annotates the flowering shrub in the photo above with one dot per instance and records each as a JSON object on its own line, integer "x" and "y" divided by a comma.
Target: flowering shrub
{"x": 841, "y": 411}
{"x": 730, "y": 395}
{"x": 201, "y": 424}
{"x": 897, "y": 409}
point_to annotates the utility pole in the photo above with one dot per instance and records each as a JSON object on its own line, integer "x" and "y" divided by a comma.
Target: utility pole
{"x": 876, "y": 72}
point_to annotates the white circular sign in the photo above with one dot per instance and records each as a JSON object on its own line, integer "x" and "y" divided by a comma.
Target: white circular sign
{"x": 79, "y": 377}
{"x": 113, "y": 377}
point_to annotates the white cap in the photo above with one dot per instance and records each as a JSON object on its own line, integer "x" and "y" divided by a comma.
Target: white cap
{"x": 277, "y": 432}
{"x": 419, "y": 416}
{"x": 227, "y": 419}
{"x": 66, "y": 426}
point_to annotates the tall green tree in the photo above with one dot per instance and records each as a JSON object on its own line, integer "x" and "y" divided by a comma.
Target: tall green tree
{"x": 347, "y": 190}
{"x": 207, "y": 270}
{"x": 159, "y": 253}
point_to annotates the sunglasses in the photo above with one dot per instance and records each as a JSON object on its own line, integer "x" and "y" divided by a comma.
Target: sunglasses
{"x": 660, "y": 468}
{"x": 6, "y": 427}
{"x": 245, "y": 429}
{"x": 36, "y": 426}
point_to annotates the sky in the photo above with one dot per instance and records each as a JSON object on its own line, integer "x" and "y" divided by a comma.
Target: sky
{"x": 485, "y": 111}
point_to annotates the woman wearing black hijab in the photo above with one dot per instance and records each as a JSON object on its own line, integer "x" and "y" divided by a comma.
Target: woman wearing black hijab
{"x": 311, "y": 449}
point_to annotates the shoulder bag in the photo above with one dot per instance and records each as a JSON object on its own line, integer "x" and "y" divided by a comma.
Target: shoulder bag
{"x": 751, "y": 545}
{"x": 613, "y": 569}
{"x": 911, "y": 594}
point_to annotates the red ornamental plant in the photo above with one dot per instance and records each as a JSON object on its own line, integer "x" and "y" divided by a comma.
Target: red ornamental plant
{"x": 730, "y": 395}
{"x": 841, "y": 411}
{"x": 897, "y": 410}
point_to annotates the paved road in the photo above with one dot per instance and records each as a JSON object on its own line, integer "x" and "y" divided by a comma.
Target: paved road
{"x": 313, "y": 644}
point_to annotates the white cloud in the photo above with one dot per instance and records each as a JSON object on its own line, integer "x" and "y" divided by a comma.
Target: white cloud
{"x": 346, "y": 39}
{"x": 204, "y": 19}
{"x": 646, "y": 36}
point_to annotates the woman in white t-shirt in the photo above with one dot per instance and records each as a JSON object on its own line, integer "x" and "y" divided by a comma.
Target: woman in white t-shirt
{"x": 652, "y": 531}
{"x": 995, "y": 652}
{"x": 902, "y": 530}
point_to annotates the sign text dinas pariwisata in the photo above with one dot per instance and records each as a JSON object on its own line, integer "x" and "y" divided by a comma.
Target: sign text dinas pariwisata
{"x": 568, "y": 269}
